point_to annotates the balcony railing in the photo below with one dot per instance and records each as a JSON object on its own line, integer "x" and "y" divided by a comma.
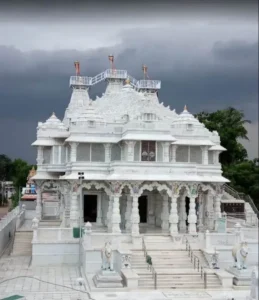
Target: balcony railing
{"x": 80, "y": 81}
{"x": 149, "y": 84}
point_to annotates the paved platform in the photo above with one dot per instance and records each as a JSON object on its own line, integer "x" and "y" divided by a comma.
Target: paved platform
{"x": 54, "y": 283}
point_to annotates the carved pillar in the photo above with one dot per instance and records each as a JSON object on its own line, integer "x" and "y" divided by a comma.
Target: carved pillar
{"x": 165, "y": 213}
{"x": 173, "y": 219}
{"x": 217, "y": 206}
{"x": 173, "y": 158}
{"x": 216, "y": 157}
{"x": 99, "y": 210}
{"x": 166, "y": 146}
{"x": 107, "y": 148}
{"x": 205, "y": 155}
{"x": 135, "y": 219}
{"x": 151, "y": 215}
{"x": 39, "y": 156}
{"x": 67, "y": 209}
{"x": 130, "y": 148}
{"x": 128, "y": 213}
{"x": 109, "y": 214}
{"x": 74, "y": 208}
{"x": 38, "y": 203}
{"x": 116, "y": 217}
{"x": 192, "y": 218}
{"x": 183, "y": 215}
{"x": 73, "y": 151}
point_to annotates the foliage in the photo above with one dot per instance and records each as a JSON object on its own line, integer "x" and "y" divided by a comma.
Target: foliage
{"x": 230, "y": 125}
{"x": 5, "y": 168}
{"x": 243, "y": 173}
{"x": 16, "y": 171}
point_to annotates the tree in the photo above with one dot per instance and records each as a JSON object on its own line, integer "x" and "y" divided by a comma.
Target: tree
{"x": 5, "y": 174}
{"x": 20, "y": 171}
{"x": 230, "y": 125}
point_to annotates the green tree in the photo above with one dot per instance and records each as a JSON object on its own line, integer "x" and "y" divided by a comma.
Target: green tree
{"x": 5, "y": 174}
{"x": 230, "y": 125}
{"x": 20, "y": 171}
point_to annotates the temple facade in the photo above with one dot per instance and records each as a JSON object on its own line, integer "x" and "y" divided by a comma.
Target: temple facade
{"x": 127, "y": 163}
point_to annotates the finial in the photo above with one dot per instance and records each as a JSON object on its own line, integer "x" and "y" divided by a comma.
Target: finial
{"x": 185, "y": 107}
{"x": 77, "y": 66}
{"x": 53, "y": 114}
{"x": 127, "y": 81}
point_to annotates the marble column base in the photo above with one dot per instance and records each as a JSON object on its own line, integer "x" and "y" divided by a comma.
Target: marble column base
{"x": 108, "y": 279}
{"x": 241, "y": 277}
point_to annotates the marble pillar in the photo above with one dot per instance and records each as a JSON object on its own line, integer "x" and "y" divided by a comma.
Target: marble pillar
{"x": 151, "y": 213}
{"x": 116, "y": 217}
{"x": 165, "y": 213}
{"x": 128, "y": 213}
{"x": 217, "y": 206}
{"x": 74, "y": 210}
{"x": 66, "y": 210}
{"x": 173, "y": 218}
{"x": 135, "y": 219}
{"x": 109, "y": 214}
{"x": 38, "y": 205}
{"x": 107, "y": 148}
{"x": 183, "y": 215}
{"x": 192, "y": 218}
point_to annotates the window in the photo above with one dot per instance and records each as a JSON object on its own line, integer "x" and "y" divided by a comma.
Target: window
{"x": 148, "y": 151}
{"x": 189, "y": 127}
{"x": 91, "y": 123}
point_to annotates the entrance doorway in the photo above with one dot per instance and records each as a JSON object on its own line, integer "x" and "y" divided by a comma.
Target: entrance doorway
{"x": 142, "y": 204}
{"x": 90, "y": 208}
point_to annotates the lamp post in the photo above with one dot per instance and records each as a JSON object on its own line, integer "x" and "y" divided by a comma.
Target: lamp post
{"x": 80, "y": 177}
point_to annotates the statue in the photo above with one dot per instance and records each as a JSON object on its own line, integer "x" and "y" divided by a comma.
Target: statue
{"x": 254, "y": 285}
{"x": 239, "y": 254}
{"x": 107, "y": 257}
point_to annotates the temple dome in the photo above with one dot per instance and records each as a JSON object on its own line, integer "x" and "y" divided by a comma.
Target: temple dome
{"x": 52, "y": 123}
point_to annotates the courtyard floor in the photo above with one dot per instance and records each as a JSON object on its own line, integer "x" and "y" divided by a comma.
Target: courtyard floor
{"x": 61, "y": 283}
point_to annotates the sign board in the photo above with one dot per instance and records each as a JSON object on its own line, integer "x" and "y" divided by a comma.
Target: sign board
{"x": 222, "y": 225}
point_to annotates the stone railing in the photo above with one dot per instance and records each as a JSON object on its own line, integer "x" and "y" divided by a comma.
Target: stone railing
{"x": 213, "y": 239}
{"x": 51, "y": 235}
{"x": 9, "y": 217}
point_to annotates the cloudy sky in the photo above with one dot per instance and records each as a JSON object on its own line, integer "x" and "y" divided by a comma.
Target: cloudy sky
{"x": 205, "y": 55}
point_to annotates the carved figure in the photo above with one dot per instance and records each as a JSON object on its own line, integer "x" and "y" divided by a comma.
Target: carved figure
{"x": 107, "y": 257}
{"x": 254, "y": 285}
{"x": 239, "y": 254}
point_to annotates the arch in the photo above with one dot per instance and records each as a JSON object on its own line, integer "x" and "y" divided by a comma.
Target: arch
{"x": 159, "y": 186}
{"x": 207, "y": 187}
{"x": 97, "y": 185}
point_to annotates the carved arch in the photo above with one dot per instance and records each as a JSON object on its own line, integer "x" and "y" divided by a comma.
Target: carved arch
{"x": 97, "y": 185}
{"x": 207, "y": 187}
{"x": 159, "y": 186}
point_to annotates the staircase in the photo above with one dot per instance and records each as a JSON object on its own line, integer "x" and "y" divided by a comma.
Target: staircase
{"x": 22, "y": 243}
{"x": 138, "y": 263}
{"x": 171, "y": 268}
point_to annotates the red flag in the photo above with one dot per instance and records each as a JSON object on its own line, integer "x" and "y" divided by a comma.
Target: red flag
{"x": 77, "y": 66}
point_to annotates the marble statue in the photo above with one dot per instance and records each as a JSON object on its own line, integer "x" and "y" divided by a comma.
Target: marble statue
{"x": 254, "y": 285}
{"x": 239, "y": 254}
{"x": 107, "y": 257}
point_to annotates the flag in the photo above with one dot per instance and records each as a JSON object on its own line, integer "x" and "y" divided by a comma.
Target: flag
{"x": 77, "y": 66}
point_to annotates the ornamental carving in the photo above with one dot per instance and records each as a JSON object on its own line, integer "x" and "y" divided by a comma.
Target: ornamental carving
{"x": 97, "y": 186}
{"x": 116, "y": 187}
{"x": 50, "y": 185}
{"x": 126, "y": 261}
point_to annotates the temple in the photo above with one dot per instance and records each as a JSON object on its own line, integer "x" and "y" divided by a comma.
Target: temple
{"x": 144, "y": 166}
{"x": 128, "y": 172}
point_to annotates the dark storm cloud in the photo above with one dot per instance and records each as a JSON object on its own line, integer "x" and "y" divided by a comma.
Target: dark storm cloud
{"x": 205, "y": 75}
{"x": 61, "y": 9}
